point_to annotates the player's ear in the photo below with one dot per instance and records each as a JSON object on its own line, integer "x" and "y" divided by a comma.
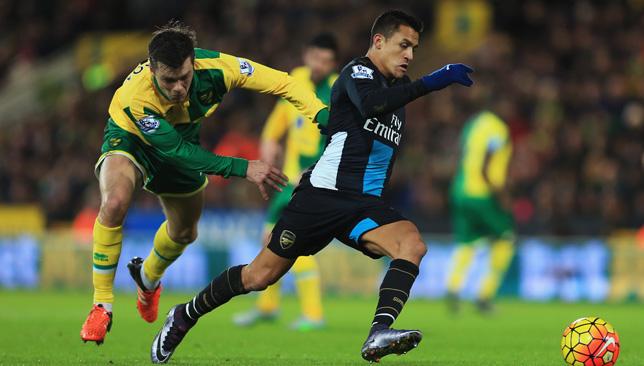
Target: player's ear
{"x": 378, "y": 40}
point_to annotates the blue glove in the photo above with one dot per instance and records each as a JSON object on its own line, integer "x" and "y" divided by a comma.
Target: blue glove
{"x": 448, "y": 74}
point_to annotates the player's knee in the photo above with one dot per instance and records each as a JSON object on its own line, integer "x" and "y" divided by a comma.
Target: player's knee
{"x": 259, "y": 280}
{"x": 113, "y": 210}
{"x": 414, "y": 248}
{"x": 418, "y": 249}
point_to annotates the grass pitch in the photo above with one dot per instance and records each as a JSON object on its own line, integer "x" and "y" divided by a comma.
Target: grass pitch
{"x": 43, "y": 328}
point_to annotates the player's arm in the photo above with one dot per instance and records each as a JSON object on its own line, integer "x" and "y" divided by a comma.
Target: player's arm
{"x": 274, "y": 130}
{"x": 243, "y": 73}
{"x": 372, "y": 99}
{"x": 498, "y": 189}
{"x": 161, "y": 134}
{"x": 486, "y": 169}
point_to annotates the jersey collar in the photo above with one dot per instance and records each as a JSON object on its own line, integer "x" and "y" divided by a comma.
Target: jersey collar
{"x": 186, "y": 103}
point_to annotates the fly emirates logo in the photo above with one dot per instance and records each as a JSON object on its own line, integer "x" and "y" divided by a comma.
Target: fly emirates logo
{"x": 390, "y": 132}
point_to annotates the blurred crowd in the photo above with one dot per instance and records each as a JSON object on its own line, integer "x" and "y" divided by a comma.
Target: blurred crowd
{"x": 568, "y": 77}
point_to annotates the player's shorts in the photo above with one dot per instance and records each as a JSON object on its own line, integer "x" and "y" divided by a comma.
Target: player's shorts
{"x": 316, "y": 216}
{"x": 477, "y": 218}
{"x": 278, "y": 203}
{"x": 159, "y": 176}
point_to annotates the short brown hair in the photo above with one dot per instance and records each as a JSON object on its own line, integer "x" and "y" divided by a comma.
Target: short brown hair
{"x": 171, "y": 44}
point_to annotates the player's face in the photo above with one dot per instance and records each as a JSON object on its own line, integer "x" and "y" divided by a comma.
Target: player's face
{"x": 174, "y": 83}
{"x": 321, "y": 61}
{"x": 398, "y": 51}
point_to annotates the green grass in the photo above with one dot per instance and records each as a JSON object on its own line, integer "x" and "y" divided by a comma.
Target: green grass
{"x": 43, "y": 328}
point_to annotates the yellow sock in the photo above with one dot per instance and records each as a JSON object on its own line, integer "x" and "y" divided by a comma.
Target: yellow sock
{"x": 106, "y": 252}
{"x": 164, "y": 252}
{"x": 268, "y": 300}
{"x": 462, "y": 260}
{"x": 307, "y": 281}
{"x": 500, "y": 258}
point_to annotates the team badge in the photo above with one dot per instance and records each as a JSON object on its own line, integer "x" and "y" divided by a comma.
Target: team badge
{"x": 245, "y": 68}
{"x": 115, "y": 141}
{"x": 287, "y": 239}
{"x": 206, "y": 97}
{"x": 148, "y": 124}
{"x": 361, "y": 72}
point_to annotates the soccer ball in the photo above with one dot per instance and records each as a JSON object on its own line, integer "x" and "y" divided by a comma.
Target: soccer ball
{"x": 590, "y": 341}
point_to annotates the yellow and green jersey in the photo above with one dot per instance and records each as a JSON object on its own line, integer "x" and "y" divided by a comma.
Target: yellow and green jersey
{"x": 140, "y": 107}
{"x": 304, "y": 143}
{"x": 484, "y": 134}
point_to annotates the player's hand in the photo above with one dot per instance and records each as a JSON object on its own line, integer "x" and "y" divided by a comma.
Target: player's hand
{"x": 264, "y": 174}
{"x": 447, "y": 75}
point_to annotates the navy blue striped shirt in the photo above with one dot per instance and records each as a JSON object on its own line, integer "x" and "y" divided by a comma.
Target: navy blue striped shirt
{"x": 365, "y": 129}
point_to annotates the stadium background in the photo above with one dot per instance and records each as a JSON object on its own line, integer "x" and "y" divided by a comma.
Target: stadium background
{"x": 570, "y": 74}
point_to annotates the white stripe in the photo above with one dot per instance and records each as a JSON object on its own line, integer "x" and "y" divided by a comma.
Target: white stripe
{"x": 188, "y": 311}
{"x": 392, "y": 317}
{"x": 325, "y": 173}
{"x": 104, "y": 271}
{"x": 195, "y": 306}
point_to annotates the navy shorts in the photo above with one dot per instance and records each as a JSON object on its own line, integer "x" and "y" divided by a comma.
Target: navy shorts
{"x": 315, "y": 216}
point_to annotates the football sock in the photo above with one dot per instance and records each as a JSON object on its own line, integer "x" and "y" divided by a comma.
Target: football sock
{"x": 268, "y": 301}
{"x": 307, "y": 282}
{"x": 164, "y": 252}
{"x": 500, "y": 258}
{"x": 394, "y": 291}
{"x": 223, "y": 288}
{"x": 462, "y": 259}
{"x": 106, "y": 251}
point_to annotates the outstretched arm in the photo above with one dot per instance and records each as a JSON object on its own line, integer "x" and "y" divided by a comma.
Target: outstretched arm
{"x": 255, "y": 76}
{"x": 161, "y": 134}
{"x": 372, "y": 99}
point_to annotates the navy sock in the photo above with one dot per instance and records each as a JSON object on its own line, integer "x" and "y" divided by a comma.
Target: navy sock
{"x": 394, "y": 292}
{"x": 223, "y": 288}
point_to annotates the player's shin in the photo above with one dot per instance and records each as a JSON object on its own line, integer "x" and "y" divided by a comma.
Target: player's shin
{"x": 106, "y": 252}
{"x": 500, "y": 258}
{"x": 223, "y": 288}
{"x": 307, "y": 282}
{"x": 394, "y": 292}
{"x": 162, "y": 255}
{"x": 461, "y": 260}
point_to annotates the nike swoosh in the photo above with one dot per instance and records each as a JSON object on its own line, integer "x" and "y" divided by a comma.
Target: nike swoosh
{"x": 608, "y": 342}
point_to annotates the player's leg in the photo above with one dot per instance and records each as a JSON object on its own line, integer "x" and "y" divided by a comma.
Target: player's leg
{"x": 464, "y": 223}
{"x": 118, "y": 178}
{"x": 307, "y": 283}
{"x": 500, "y": 225}
{"x": 263, "y": 271}
{"x": 171, "y": 239}
{"x": 268, "y": 301}
{"x": 402, "y": 242}
{"x": 303, "y": 229}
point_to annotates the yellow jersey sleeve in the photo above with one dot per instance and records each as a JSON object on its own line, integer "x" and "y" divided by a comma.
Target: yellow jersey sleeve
{"x": 500, "y": 146}
{"x": 247, "y": 74}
